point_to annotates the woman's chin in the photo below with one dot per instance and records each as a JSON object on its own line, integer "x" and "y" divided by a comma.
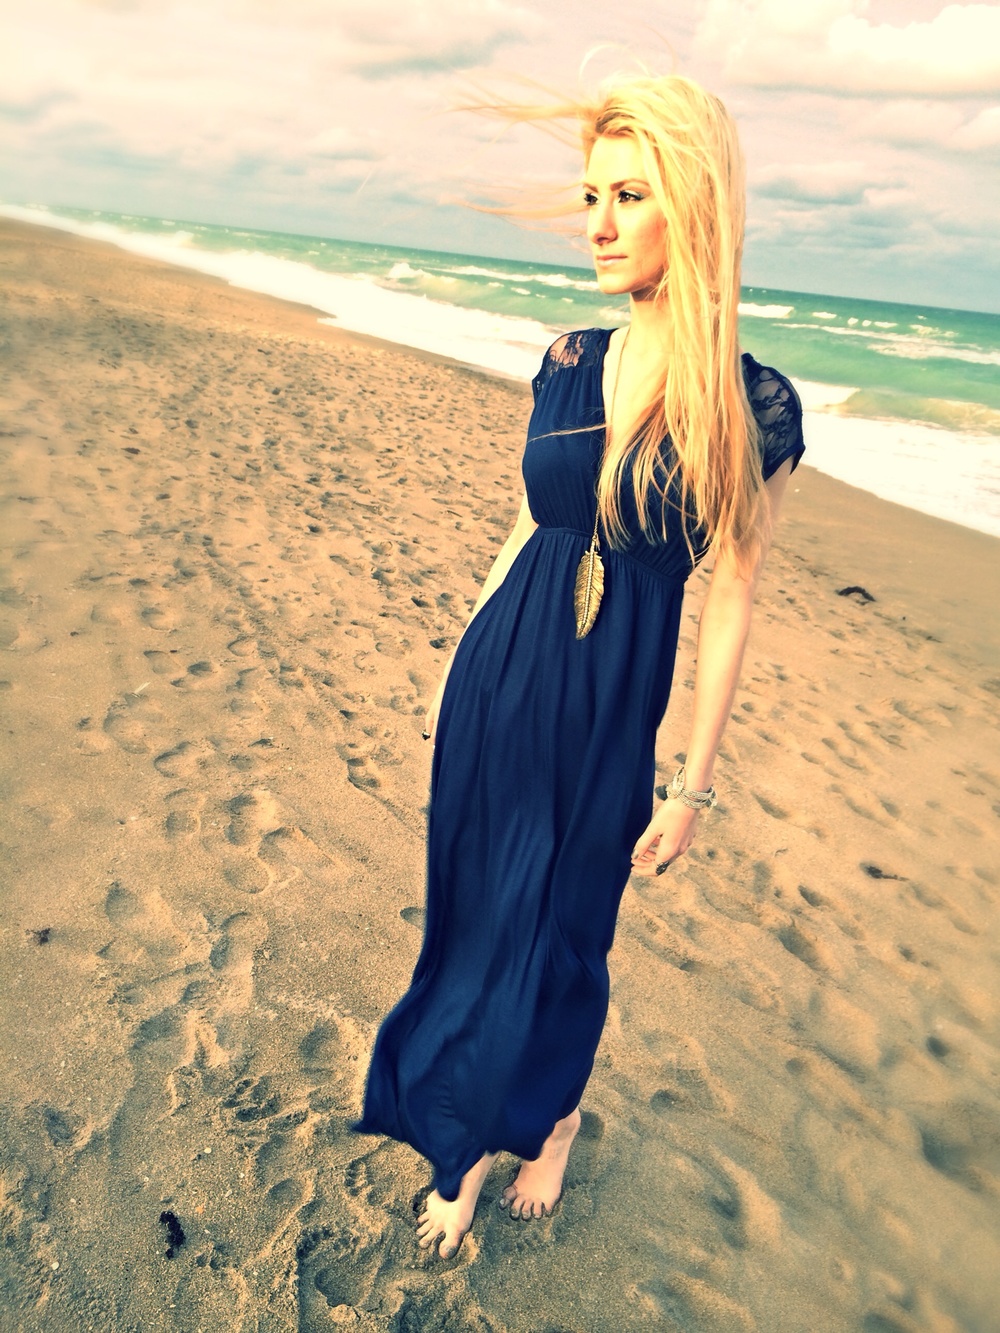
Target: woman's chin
{"x": 610, "y": 285}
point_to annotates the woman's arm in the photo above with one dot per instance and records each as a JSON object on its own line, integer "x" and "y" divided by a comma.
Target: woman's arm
{"x": 722, "y": 634}
{"x": 521, "y": 531}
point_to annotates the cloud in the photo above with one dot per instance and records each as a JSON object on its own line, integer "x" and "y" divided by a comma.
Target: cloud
{"x": 950, "y": 128}
{"x": 388, "y": 37}
{"x": 830, "y": 46}
{"x": 982, "y": 133}
{"x": 813, "y": 183}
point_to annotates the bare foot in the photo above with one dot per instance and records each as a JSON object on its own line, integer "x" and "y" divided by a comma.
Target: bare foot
{"x": 538, "y": 1186}
{"x": 450, "y": 1221}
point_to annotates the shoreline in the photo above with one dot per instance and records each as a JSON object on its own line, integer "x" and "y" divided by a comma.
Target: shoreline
{"x": 239, "y": 547}
{"x": 895, "y": 458}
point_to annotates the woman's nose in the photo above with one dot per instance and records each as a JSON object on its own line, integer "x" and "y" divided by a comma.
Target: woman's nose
{"x": 600, "y": 223}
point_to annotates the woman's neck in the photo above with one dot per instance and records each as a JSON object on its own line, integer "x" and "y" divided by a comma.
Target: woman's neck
{"x": 650, "y": 324}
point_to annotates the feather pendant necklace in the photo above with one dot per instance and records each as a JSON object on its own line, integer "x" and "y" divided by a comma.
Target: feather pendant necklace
{"x": 589, "y": 587}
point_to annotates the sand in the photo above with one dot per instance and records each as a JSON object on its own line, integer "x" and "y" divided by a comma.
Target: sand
{"x": 239, "y": 546}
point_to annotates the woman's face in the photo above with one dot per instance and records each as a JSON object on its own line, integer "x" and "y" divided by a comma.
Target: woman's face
{"x": 625, "y": 225}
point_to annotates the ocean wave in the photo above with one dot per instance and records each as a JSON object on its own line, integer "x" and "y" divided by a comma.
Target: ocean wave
{"x": 816, "y": 397}
{"x": 546, "y": 279}
{"x": 949, "y": 414}
{"x": 923, "y": 347}
{"x": 765, "y": 311}
{"x": 403, "y": 270}
{"x": 922, "y": 351}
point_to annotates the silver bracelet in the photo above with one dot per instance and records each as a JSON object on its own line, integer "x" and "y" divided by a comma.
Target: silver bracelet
{"x": 694, "y": 800}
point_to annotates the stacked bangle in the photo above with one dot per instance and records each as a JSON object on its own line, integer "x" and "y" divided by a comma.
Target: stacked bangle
{"x": 694, "y": 800}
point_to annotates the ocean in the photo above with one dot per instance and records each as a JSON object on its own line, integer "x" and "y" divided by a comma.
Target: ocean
{"x": 901, "y": 400}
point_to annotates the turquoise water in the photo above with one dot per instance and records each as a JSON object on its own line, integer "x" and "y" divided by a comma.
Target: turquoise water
{"x": 918, "y": 386}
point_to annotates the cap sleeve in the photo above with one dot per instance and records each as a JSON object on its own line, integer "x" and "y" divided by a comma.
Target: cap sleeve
{"x": 778, "y": 411}
{"x": 567, "y": 350}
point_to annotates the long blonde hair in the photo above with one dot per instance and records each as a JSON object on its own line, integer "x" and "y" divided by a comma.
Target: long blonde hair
{"x": 693, "y": 162}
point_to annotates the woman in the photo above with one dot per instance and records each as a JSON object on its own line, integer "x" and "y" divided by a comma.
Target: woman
{"x": 648, "y": 446}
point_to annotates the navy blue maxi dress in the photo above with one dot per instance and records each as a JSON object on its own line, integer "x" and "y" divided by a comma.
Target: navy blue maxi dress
{"x": 542, "y": 781}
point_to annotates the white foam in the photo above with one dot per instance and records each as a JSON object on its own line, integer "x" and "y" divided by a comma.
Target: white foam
{"x": 546, "y": 279}
{"x": 816, "y": 397}
{"x": 823, "y": 314}
{"x": 404, "y": 270}
{"x": 505, "y": 343}
{"x": 765, "y": 311}
{"x": 948, "y": 474}
{"x": 930, "y": 351}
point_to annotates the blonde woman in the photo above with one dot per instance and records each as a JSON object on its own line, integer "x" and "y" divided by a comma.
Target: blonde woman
{"x": 648, "y": 448}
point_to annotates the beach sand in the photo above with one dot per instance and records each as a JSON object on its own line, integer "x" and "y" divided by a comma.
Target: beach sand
{"x": 239, "y": 546}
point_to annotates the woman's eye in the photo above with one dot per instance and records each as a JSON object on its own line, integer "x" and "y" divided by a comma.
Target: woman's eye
{"x": 589, "y": 198}
{"x": 629, "y": 196}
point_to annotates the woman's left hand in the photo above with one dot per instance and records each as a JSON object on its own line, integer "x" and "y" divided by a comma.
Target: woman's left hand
{"x": 667, "y": 836}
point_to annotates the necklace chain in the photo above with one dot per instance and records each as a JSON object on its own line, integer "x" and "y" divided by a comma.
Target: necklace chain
{"x": 610, "y": 418}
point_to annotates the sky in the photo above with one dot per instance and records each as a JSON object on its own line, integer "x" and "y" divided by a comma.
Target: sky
{"x": 871, "y": 127}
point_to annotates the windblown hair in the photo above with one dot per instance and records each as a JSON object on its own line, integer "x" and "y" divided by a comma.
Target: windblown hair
{"x": 693, "y": 162}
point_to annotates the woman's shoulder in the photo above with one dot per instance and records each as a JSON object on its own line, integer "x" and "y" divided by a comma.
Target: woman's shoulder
{"x": 778, "y": 412}
{"x": 580, "y": 348}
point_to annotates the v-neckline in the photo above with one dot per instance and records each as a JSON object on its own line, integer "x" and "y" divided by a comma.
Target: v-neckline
{"x": 601, "y": 365}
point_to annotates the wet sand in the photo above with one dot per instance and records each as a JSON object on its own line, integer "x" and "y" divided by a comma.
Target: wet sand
{"x": 238, "y": 547}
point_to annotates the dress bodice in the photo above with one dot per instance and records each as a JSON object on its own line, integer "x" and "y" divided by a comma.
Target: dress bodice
{"x": 566, "y": 441}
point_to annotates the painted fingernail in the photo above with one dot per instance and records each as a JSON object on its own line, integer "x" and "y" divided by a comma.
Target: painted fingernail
{"x": 665, "y": 866}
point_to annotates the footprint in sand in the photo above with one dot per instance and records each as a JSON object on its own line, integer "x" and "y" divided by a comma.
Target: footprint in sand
{"x": 130, "y": 720}
{"x": 245, "y": 700}
{"x": 232, "y": 960}
{"x": 290, "y": 849}
{"x": 198, "y": 675}
{"x": 806, "y": 946}
{"x": 688, "y": 1083}
{"x": 275, "y": 849}
{"x": 962, "y": 1141}
{"x": 336, "y": 1275}
{"x": 162, "y": 664}
{"x": 184, "y": 818}
{"x": 158, "y": 618}
{"x": 331, "y": 1054}
{"x": 63, "y": 1128}
{"x": 146, "y": 919}
{"x": 243, "y": 646}
{"x": 185, "y": 760}
{"x": 692, "y": 1303}
{"x": 90, "y": 741}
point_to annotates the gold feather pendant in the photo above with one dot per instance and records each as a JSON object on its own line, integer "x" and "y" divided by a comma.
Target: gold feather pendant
{"x": 589, "y": 588}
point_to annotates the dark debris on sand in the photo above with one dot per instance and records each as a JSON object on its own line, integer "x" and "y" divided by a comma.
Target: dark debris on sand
{"x": 175, "y": 1232}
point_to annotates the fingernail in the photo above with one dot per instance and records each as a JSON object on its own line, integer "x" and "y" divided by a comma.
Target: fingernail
{"x": 665, "y": 866}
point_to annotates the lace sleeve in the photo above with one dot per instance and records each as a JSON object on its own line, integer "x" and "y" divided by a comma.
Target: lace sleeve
{"x": 565, "y": 351}
{"x": 778, "y": 411}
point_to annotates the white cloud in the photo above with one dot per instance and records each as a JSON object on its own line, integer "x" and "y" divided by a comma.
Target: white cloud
{"x": 920, "y": 125}
{"x": 982, "y": 133}
{"x": 813, "y": 183}
{"x": 229, "y": 81}
{"x": 829, "y": 45}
